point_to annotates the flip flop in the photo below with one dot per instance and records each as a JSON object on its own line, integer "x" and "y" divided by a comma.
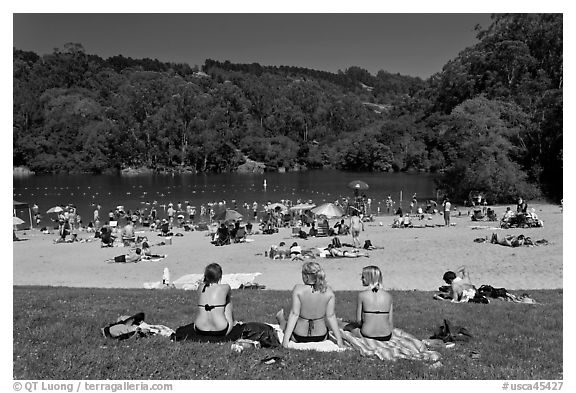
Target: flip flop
{"x": 272, "y": 360}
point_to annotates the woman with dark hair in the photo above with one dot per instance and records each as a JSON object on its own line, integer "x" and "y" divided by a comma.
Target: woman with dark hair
{"x": 313, "y": 305}
{"x": 214, "y": 316}
{"x": 374, "y": 309}
{"x": 214, "y": 321}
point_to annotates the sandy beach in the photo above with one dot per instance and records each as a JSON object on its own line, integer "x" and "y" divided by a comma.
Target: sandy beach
{"x": 411, "y": 258}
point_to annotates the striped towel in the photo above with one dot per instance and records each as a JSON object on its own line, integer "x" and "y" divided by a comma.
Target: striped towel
{"x": 402, "y": 345}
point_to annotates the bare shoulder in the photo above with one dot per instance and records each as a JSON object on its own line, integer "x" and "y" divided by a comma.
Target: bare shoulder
{"x": 329, "y": 292}
{"x": 387, "y": 295}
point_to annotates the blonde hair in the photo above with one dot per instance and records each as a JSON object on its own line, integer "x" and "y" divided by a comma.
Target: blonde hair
{"x": 313, "y": 274}
{"x": 373, "y": 277}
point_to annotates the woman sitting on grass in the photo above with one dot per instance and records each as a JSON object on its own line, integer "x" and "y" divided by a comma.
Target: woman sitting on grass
{"x": 214, "y": 316}
{"x": 214, "y": 321}
{"x": 374, "y": 309}
{"x": 313, "y": 306}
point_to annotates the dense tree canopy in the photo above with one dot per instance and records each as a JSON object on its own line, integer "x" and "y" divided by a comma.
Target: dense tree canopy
{"x": 491, "y": 120}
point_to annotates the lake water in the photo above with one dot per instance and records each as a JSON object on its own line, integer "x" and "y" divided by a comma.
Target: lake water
{"x": 141, "y": 191}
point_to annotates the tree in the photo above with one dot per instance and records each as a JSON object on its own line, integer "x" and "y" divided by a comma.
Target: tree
{"x": 479, "y": 132}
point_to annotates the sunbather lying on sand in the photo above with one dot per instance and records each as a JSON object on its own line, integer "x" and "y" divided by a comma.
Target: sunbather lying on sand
{"x": 133, "y": 257}
{"x": 148, "y": 253}
{"x": 334, "y": 252}
{"x": 517, "y": 241}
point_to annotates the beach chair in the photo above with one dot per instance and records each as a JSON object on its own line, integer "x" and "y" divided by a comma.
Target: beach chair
{"x": 240, "y": 235}
{"x": 129, "y": 241}
{"x": 323, "y": 229}
{"x": 296, "y": 231}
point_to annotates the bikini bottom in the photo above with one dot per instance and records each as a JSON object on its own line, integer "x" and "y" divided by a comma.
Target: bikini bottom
{"x": 212, "y": 333}
{"x": 381, "y": 338}
{"x": 309, "y": 339}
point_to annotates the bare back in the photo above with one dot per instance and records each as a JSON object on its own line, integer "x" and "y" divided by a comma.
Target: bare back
{"x": 375, "y": 311}
{"x": 309, "y": 304}
{"x": 212, "y": 306}
{"x": 355, "y": 223}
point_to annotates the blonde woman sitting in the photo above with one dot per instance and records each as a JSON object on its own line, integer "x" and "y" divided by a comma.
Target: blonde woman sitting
{"x": 312, "y": 312}
{"x": 374, "y": 310}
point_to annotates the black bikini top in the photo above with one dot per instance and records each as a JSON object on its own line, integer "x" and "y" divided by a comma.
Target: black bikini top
{"x": 376, "y": 312}
{"x": 208, "y": 307}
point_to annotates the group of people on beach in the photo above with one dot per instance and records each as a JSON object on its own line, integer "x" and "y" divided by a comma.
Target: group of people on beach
{"x": 313, "y": 309}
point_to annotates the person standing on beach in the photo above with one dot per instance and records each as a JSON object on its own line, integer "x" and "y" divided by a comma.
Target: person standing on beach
{"x": 255, "y": 209}
{"x": 97, "y": 217}
{"x": 447, "y": 206}
{"x": 356, "y": 225}
{"x": 171, "y": 212}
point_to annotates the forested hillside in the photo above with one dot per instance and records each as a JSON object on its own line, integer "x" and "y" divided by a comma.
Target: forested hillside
{"x": 491, "y": 120}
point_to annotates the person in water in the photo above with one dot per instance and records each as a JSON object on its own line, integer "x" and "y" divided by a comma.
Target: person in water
{"x": 374, "y": 310}
{"x": 313, "y": 305}
{"x": 214, "y": 317}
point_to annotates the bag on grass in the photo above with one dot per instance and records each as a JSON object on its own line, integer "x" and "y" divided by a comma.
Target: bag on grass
{"x": 448, "y": 333}
{"x": 123, "y": 328}
{"x": 261, "y": 332}
{"x": 492, "y": 292}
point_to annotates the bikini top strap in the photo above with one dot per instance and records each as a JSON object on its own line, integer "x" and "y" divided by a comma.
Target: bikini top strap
{"x": 311, "y": 323}
{"x": 208, "y": 307}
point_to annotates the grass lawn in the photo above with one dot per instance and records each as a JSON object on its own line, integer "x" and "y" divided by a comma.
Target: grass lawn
{"x": 57, "y": 336}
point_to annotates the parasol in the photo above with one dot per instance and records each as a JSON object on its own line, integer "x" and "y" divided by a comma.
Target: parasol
{"x": 17, "y": 220}
{"x": 277, "y": 205}
{"x": 303, "y": 206}
{"x": 358, "y": 185}
{"x": 228, "y": 215}
{"x": 55, "y": 209}
{"x": 329, "y": 210}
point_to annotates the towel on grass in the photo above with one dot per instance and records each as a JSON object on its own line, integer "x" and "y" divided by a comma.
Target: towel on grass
{"x": 322, "y": 346}
{"x": 402, "y": 345}
{"x": 193, "y": 281}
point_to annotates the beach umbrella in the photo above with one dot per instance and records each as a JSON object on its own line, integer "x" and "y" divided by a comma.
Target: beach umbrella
{"x": 228, "y": 215}
{"x": 303, "y": 206}
{"x": 55, "y": 209}
{"x": 278, "y": 205}
{"x": 17, "y": 221}
{"x": 329, "y": 210}
{"x": 358, "y": 185}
